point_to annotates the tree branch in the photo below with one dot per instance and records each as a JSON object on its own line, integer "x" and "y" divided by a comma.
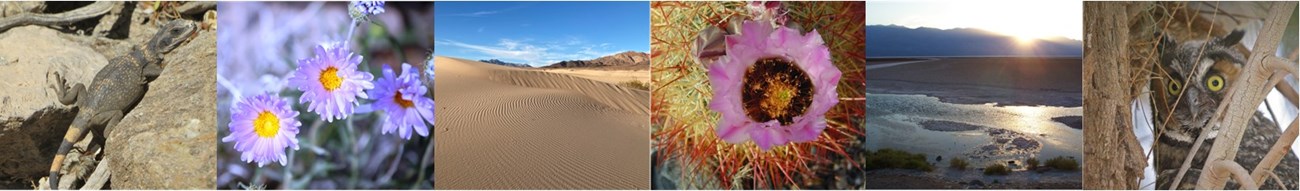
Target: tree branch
{"x": 1276, "y": 153}
{"x": 1245, "y": 96}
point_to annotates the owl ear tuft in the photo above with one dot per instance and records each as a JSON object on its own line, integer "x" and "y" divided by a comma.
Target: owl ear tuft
{"x": 1232, "y": 38}
{"x": 1166, "y": 43}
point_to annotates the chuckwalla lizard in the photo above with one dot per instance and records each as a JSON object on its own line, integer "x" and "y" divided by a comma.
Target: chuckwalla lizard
{"x": 116, "y": 89}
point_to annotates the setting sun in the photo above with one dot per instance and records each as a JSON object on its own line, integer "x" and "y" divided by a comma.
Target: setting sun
{"x": 1025, "y": 40}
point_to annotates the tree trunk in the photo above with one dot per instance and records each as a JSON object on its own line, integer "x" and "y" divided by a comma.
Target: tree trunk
{"x": 1113, "y": 158}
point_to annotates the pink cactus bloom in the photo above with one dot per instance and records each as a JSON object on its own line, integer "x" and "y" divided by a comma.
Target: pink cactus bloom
{"x": 774, "y": 86}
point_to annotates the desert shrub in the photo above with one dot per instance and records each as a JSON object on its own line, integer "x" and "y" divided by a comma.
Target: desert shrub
{"x": 889, "y": 158}
{"x": 997, "y": 169}
{"x": 636, "y": 84}
{"x": 958, "y": 163}
{"x": 1032, "y": 163}
{"x": 1063, "y": 163}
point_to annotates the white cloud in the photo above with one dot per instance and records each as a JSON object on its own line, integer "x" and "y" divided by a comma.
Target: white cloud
{"x": 477, "y": 14}
{"x": 523, "y": 51}
{"x": 490, "y": 12}
{"x": 573, "y": 41}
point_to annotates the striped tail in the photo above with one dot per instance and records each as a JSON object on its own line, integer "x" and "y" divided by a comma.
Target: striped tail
{"x": 75, "y": 132}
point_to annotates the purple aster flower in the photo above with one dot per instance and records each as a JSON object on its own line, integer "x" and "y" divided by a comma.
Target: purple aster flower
{"x": 402, "y": 98}
{"x": 774, "y": 86}
{"x": 261, "y": 127}
{"x": 428, "y": 68}
{"x": 368, "y": 7}
{"x": 330, "y": 81}
{"x": 360, "y": 11}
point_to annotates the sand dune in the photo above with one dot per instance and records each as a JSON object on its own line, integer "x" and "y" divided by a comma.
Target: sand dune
{"x": 511, "y": 128}
{"x": 606, "y": 75}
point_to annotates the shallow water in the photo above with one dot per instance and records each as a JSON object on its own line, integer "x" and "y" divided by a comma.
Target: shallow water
{"x": 893, "y": 121}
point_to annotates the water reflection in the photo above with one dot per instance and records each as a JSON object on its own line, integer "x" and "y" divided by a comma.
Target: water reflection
{"x": 1009, "y": 133}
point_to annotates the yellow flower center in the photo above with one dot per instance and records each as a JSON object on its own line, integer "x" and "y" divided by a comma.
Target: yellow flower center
{"x": 329, "y": 78}
{"x": 266, "y": 125}
{"x": 775, "y": 89}
{"x": 779, "y": 97}
{"x": 405, "y": 103}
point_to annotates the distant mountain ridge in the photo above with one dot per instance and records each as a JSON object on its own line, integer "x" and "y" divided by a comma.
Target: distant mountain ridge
{"x": 621, "y": 60}
{"x": 504, "y": 63}
{"x": 900, "y": 41}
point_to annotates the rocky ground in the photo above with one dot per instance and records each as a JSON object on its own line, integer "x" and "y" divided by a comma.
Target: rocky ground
{"x": 946, "y": 178}
{"x": 170, "y": 131}
{"x": 1072, "y": 121}
{"x": 948, "y": 126}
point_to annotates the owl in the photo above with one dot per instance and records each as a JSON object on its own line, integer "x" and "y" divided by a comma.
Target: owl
{"x": 1191, "y": 79}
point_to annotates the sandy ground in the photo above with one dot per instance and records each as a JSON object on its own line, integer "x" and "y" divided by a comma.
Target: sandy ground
{"x": 509, "y": 128}
{"x": 607, "y": 76}
{"x": 1004, "y": 80}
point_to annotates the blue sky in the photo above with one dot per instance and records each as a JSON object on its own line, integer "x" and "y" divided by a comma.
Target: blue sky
{"x": 1022, "y": 19}
{"x": 540, "y": 33}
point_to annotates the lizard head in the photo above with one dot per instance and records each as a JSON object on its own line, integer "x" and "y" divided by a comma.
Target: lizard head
{"x": 172, "y": 35}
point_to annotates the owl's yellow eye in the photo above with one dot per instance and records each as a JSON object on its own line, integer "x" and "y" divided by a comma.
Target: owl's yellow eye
{"x": 1215, "y": 82}
{"x": 1175, "y": 87}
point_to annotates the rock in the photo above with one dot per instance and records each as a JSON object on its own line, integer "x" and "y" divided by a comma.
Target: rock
{"x": 15, "y": 7}
{"x": 24, "y": 70}
{"x": 1075, "y": 122}
{"x": 32, "y": 121}
{"x": 977, "y": 184}
{"x": 1021, "y": 143}
{"x": 938, "y": 158}
{"x": 995, "y": 131}
{"x": 169, "y": 140}
{"x": 948, "y": 126}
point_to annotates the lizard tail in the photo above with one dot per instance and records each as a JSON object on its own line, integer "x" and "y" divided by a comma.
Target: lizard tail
{"x": 74, "y": 134}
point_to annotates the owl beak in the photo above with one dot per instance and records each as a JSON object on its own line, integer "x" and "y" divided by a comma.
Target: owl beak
{"x": 1190, "y": 102}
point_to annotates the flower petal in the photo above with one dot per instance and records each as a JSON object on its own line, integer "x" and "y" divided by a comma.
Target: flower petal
{"x": 768, "y": 135}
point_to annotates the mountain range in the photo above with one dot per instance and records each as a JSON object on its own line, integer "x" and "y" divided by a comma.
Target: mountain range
{"x": 504, "y": 63}
{"x": 900, "y": 41}
{"x": 630, "y": 60}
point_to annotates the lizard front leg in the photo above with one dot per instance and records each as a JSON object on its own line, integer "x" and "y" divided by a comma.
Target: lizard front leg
{"x": 109, "y": 119}
{"x": 67, "y": 95}
{"x": 151, "y": 71}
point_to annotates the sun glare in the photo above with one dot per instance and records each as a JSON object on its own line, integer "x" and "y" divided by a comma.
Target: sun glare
{"x": 1025, "y": 40}
{"x": 1046, "y": 20}
{"x": 1028, "y": 119}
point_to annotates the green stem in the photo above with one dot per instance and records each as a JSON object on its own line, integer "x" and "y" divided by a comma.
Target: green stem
{"x": 424, "y": 164}
{"x": 351, "y": 28}
{"x": 257, "y": 178}
{"x": 352, "y": 157}
{"x": 288, "y": 171}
